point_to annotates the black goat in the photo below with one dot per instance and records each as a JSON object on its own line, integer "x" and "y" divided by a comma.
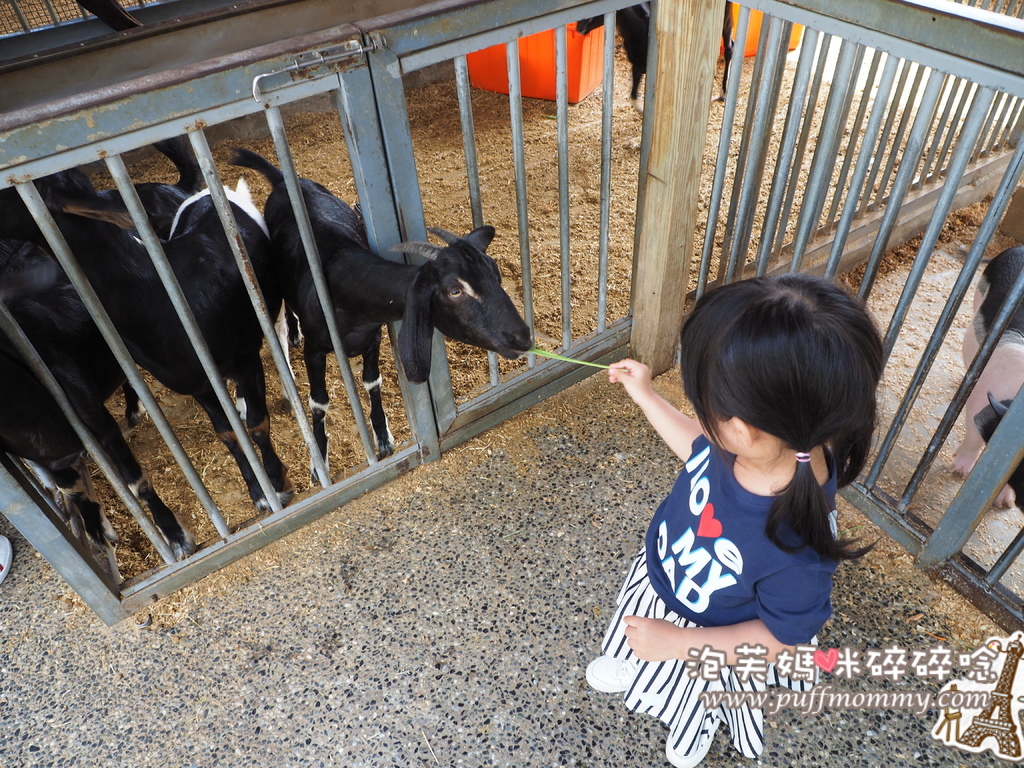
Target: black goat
{"x": 122, "y": 274}
{"x": 32, "y": 426}
{"x": 634, "y": 25}
{"x": 457, "y": 291}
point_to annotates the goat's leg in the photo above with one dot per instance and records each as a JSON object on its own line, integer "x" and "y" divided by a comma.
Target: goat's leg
{"x": 134, "y": 410}
{"x": 319, "y": 400}
{"x": 104, "y": 427}
{"x": 84, "y": 512}
{"x": 385, "y": 441}
{"x": 727, "y": 46}
{"x": 252, "y": 387}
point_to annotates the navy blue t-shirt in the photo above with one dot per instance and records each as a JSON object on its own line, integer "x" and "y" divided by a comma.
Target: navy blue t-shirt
{"x": 709, "y": 559}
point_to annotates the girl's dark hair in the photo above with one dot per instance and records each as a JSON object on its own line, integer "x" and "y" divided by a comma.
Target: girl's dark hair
{"x": 798, "y": 357}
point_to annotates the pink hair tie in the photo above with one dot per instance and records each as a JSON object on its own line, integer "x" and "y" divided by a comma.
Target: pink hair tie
{"x": 803, "y": 458}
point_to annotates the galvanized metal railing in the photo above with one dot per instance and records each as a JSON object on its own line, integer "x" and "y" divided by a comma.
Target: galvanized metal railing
{"x": 883, "y": 124}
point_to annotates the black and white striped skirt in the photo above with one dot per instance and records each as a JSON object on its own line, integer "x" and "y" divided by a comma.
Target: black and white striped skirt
{"x": 665, "y": 690}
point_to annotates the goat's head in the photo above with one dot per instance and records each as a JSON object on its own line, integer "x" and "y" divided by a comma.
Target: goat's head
{"x": 458, "y": 291}
{"x": 986, "y": 420}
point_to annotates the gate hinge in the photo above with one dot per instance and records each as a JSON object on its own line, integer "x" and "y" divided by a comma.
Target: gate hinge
{"x": 309, "y": 59}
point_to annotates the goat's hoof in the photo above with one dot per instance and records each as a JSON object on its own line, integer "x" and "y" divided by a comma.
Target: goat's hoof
{"x": 182, "y": 544}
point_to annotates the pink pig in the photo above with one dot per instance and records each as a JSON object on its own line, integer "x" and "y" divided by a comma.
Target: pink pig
{"x": 1004, "y": 374}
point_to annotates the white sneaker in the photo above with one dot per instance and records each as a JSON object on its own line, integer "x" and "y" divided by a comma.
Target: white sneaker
{"x": 610, "y": 675}
{"x": 697, "y": 753}
{"x": 6, "y": 553}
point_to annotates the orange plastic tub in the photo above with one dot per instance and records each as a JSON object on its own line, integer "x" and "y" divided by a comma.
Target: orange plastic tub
{"x": 488, "y": 68}
{"x": 754, "y": 31}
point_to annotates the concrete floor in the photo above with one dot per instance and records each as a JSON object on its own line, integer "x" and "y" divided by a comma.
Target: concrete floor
{"x": 444, "y": 620}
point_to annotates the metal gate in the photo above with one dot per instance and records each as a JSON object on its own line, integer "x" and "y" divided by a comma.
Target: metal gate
{"x": 888, "y": 118}
{"x": 885, "y": 112}
{"x": 360, "y": 72}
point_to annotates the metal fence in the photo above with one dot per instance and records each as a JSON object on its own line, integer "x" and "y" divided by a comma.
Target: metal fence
{"x": 873, "y": 130}
{"x": 360, "y": 73}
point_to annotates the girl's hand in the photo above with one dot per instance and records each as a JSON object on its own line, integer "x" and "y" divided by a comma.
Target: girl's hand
{"x": 656, "y": 639}
{"x": 633, "y": 375}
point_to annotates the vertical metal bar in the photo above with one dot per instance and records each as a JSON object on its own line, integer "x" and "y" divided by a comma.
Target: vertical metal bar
{"x": 59, "y": 247}
{"x": 1005, "y": 139}
{"x": 909, "y": 160}
{"x": 227, "y": 220}
{"x": 886, "y": 143}
{"x": 961, "y": 158}
{"x": 31, "y": 357}
{"x": 1009, "y": 556}
{"x": 724, "y": 142}
{"x": 319, "y": 464}
{"x": 562, "y": 113}
{"x": 997, "y": 117}
{"x": 469, "y": 139}
{"x": 68, "y": 557}
{"x": 959, "y": 164}
{"x": 787, "y": 150}
{"x": 751, "y": 141}
{"x": 795, "y": 182}
{"x": 472, "y": 171}
{"x": 371, "y": 101}
{"x": 823, "y": 161}
{"x": 758, "y": 136}
{"x": 965, "y": 97}
{"x": 607, "y": 107}
{"x": 936, "y": 158}
{"x": 515, "y": 101}
{"x": 905, "y": 121}
{"x": 854, "y": 129}
{"x": 993, "y": 217}
{"x": 860, "y": 171}
{"x": 152, "y": 243}
{"x": 1004, "y": 450}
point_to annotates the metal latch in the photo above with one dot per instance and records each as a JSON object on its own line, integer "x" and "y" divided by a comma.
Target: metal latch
{"x": 308, "y": 59}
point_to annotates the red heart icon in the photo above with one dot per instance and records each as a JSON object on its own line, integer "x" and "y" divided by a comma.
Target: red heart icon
{"x": 827, "y": 661}
{"x": 708, "y": 525}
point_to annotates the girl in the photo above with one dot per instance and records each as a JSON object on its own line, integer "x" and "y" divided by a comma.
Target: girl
{"x": 782, "y": 374}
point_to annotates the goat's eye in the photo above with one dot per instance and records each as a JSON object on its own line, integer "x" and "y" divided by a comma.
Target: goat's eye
{"x": 454, "y": 292}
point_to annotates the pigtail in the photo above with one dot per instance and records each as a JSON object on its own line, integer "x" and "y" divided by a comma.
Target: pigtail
{"x": 804, "y": 509}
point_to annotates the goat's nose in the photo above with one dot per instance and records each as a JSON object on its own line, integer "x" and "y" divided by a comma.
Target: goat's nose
{"x": 520, "y": 338}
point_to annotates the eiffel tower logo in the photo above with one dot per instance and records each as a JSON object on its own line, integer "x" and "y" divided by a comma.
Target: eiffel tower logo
{"x": 996, "y": 720}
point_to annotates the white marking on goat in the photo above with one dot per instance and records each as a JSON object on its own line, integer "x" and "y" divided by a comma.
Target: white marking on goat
{"x": 240, "y": 196}
{"x": 317, "y": 407}
{"x": 241, "y": 407}
{"x": 369, "y": 386}
{"x": 468, "y": 289}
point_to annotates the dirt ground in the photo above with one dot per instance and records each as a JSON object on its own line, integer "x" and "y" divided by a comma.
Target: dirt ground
{"x": 319, "y": 149}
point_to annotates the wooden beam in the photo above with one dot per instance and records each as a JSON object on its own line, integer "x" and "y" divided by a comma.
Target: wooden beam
{"x": 685, "y": 47}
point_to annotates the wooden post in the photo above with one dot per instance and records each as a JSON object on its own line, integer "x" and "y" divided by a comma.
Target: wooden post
{"x": 687, "y": 37}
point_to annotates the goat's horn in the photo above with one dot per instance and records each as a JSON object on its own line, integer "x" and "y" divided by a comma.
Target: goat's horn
{"x": 997, "y": 406}
{"x": 416, "y": 248}
{"x": 444, "y": 234}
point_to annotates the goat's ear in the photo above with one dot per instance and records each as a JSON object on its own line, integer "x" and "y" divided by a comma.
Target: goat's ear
{"x": 101, "y": 209}
{"x": 416, "y": 334}
{"x": 480, "y": 237}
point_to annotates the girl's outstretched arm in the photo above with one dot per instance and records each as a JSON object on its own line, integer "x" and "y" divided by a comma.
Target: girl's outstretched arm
{"x": 677, "y": 429}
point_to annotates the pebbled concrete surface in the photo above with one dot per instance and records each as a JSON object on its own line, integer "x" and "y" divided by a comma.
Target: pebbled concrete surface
{"x": 444, "y": 620}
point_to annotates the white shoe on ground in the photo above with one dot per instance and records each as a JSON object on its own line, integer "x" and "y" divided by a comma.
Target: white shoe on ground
{"x": 697, "y": 753}
{"x": 610, "y": 675}
{"x": 6, "y": 554}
